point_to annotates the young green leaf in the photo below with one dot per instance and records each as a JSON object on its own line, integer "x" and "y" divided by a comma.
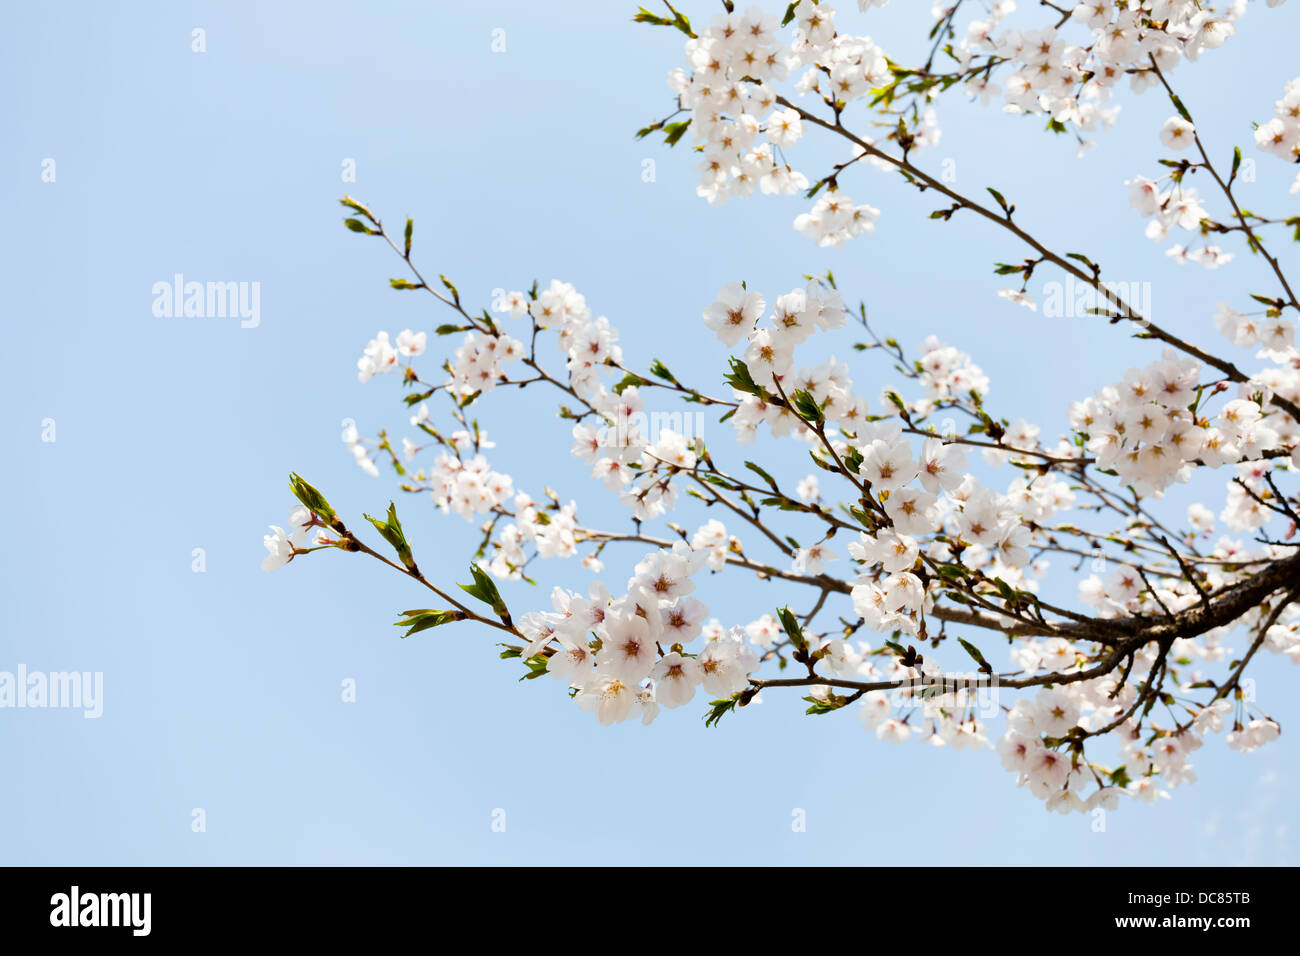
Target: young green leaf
{"x": 718, "y": 709}
{"x": 485, "y": 589}
{"x": 425, "y": 618}
{"x": 790, "y": 624}
{"x": 675, "y": 131}
{"x": 974, "y": 652}
{"x": 312, "y": 499}
{"x": 762, "y": 474}
{"x": 391, "y": 531}
{"x": 740, "y": 379}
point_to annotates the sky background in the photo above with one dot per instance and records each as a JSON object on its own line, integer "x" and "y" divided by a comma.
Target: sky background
{"x": 223, "y": 688}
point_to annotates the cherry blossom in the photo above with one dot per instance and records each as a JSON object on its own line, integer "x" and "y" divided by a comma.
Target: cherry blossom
{"x": 913, "y": 570}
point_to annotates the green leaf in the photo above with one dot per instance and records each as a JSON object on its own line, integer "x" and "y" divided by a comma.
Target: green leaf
{"x": 356, "y": 225}
{"x": 537, "y": 666}
{"x": 422, "y": 620}
{"x": 862, "y": 518}
{"x": 807, "y": 408}
{"x": 410, "y": 230}
{"x": 391, "y": 530}
{"x": 1001, "y": 200}
{"x": 645, "y": 16}
{"x": 974, "y": 652}
{"x": 785, "y": 504}
{"x": 718, "y": 709}
{"x": 822, "y": 463}
{"x": 674, "y": 131}
{"x": 659, "y": 370}
{"x": 762, "y": 474}
{"x": 451, "y": 288}
{"x": 1178, "y": 105}
{"x": 790, "y": 624}
{"x": 627, "y": 381}
{"x": 679, "y": 21}
{"x": 827, "y": 706}
{"x": 740, "y": 379}
{"x": 356, "y": 207}
{"x": 485, "y": 589}
{"x": 312, "y": 499}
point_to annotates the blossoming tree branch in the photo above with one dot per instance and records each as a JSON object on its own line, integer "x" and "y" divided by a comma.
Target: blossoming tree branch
{"x": 912, "y": 587}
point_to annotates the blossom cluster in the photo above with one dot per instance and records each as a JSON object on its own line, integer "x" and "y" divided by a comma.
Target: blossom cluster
{"x": 742, "y": 125}
{"x": 1143, "y": 429}
{"x": 480, "y": 362}
{"x": 738, "y": 124}
{"x": 609, "y": 651}
{"x": 381, "y": 356}
{"x": 1281, "y": 135}
{"x": 1177, "y": 206}
{"x": 1151, "y": 764}
{"x": 281, "y": 544}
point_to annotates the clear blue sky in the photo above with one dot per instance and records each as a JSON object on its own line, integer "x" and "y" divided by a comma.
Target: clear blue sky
{"x": 222, "y": 689}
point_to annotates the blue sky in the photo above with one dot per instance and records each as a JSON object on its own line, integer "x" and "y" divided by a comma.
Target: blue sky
{"x": 222, "y": 688}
